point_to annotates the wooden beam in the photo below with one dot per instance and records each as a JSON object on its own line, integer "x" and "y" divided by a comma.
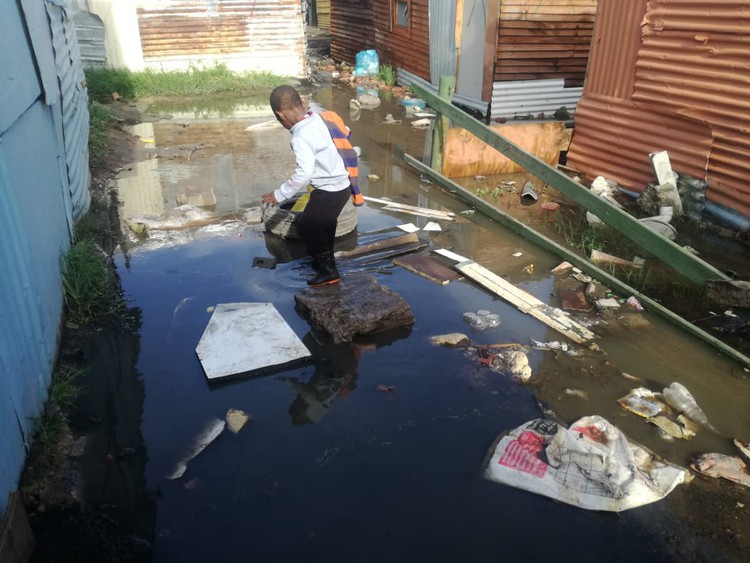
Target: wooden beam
{"x": 678, "y": 258}
{"x": 551, "y": 246}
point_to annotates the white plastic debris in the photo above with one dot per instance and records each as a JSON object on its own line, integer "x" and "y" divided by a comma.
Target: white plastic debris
{"x": 409, "y": 227}
{"x": 680, "y": 399}
{"x": 432, "y": 226}
{"x": 210, "y": 432}
{"x": 245, "y": 338}
{"x": 591, "y": 465}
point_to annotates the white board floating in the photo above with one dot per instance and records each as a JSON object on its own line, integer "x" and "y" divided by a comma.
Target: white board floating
{"x": 242, "y": 338}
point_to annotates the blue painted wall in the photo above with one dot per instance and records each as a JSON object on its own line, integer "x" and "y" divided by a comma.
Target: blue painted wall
{"x": 36, "y": 211}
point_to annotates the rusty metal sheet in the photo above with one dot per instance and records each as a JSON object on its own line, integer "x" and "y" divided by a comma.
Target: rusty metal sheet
{"x": 544, "y": 40}
{"x": 614, "y": 48}
{"x": 657, "y": 63}
{"x": 614, "y": 136}
{"x": 245, "y": 34}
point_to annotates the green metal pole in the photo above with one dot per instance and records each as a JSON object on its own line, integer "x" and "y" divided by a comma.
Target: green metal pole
{"x": 440, "y": 133}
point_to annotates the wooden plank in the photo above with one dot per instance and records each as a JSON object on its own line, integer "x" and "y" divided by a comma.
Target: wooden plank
{"x": 384, "y": 244}
{"x": 16, "y": 537}
{"x": 678, "y": 258}
{"x": 427, "y": 268}
{"x": 525, "y": 302}
{"x": 448, "y": 215}
{"x": 386, "y": 254}
{"x": 419, "y": 213}
{"x": 566, "y": 254}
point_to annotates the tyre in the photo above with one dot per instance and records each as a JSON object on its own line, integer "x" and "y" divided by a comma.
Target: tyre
{"x": 281, "y": 221}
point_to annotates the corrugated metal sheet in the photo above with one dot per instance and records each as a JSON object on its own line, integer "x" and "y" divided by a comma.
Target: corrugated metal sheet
{"x": 357, "y": 25}
{"x": 442, "y": 40}
{"x": 685, "y": 59}
{"x": 35, "y": 211}
{"x": 550, "y": 39}
{"x": 615, "y": 137}
{"x": 522, "y": 97}
{"x": 615, "y": 46}
{"x": 409, "y": 49}
{"x": 406, "y": 78}
{"x": 90, "y": 34}
{"x": 75, "y": 110}
{"x": 351, "y": 28}
{"x": 244, "y": 34}
{"x": 323, "y": 9}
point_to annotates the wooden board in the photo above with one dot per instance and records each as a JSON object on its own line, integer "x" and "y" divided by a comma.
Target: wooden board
{"x": 525, "y": 302}
{"x": 379, "y": 245}
{"x": 427, "y": 268}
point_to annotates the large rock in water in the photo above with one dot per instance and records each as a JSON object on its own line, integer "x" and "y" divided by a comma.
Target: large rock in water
{"x": 356, "y": 306}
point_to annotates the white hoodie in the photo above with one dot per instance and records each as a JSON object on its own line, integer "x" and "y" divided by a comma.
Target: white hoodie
{"x": 318, "y": 161}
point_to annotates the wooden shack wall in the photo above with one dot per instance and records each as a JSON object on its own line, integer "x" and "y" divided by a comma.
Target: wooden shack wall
{"x": 544, "y": 40}
{"x": 357, "y": 25}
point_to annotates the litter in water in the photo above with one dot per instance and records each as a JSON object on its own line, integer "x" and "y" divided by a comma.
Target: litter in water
{"x": 210, "y": 432}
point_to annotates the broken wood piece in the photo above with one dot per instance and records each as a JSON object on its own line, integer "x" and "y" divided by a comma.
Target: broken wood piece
{"x": 450, "y": 255}
{"x": 574, "y": 299}
{"x": 429, "y": 269}
{"x": 376, "y": 246}
{"x": 598, "y": 257}
{"x": 386, "y": 254}
{"x": 525, "y": 302}
{"x": 421, "y": 213}
{"x": 670, "y": 427}
{"x": 390, "y": 203}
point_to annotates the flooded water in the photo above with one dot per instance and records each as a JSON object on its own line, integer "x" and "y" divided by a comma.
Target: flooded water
{"x": 330, "y": 468}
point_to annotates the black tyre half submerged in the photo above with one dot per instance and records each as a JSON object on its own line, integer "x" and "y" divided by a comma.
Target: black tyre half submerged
{"x": 281, "y": 221}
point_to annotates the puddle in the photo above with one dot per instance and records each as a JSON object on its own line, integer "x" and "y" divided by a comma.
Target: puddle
{"x": 332, "y": 468}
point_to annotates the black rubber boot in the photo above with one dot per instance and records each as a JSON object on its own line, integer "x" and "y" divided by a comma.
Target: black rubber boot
{"x": 325, "y": 265}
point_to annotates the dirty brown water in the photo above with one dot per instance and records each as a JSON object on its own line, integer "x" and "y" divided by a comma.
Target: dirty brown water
{"x": 331, "y": 469}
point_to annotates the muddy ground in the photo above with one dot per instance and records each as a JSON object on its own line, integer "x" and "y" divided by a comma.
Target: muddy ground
{"x": 90, "y": 500}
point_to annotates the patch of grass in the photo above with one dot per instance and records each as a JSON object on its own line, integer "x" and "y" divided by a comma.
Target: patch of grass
{"x": 387, "y": 74}
{"x": 100, "y": 118}
{"x": 102, "y": 83}
{"x": 579, "y": 234}
{"x": 91, "y": 292}
{"x": 64, "y": 389}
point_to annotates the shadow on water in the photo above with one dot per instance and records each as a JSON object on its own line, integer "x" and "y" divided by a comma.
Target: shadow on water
{"x": 374, "y": 451}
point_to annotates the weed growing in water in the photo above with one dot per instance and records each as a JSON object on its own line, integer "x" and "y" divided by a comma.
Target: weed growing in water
{"x": 91, "y": 293}
{"x": 387, "y": 74}
{"x": 579, "y": 234}
{"x": 102, "y": 82}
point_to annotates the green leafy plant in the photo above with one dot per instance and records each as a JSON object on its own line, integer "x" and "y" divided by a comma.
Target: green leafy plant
{"x": 387, "y": 74}
{"x": 100, "y": 118}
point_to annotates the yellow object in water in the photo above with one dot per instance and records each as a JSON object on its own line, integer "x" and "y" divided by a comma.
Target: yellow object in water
{"x": 301, "y": 203}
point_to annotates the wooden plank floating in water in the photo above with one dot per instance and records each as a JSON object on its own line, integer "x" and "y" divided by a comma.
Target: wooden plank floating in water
{"x": 525, "y": 302}
{"x": 427, "y": 268}
{"x": 379, "y": 245}
{"x": 386, "y": 254}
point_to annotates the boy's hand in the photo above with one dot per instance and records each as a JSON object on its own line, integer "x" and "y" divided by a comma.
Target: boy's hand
{"x": 269, "y": 198}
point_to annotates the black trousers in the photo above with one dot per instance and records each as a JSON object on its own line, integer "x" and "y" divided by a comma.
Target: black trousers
{"x": 317, "y": 224}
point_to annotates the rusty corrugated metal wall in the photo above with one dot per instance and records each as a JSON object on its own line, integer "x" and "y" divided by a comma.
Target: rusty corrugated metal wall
{"x": 244, "y": 34}
{"x": 544, "y": 40}
{"x": 357, "y": 25}
{"x": 669, "y": 75}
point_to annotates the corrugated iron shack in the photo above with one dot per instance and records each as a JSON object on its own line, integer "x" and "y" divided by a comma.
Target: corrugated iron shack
{"x": 243, "y": 34}
{"x": 256, "y": 35}
{"x": 669, "y": 75}
{"x": 513, "y": 57}
{"x": 44, "y": 183}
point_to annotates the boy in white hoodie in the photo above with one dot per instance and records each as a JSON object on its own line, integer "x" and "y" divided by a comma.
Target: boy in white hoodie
{"x": 318, "y": 164}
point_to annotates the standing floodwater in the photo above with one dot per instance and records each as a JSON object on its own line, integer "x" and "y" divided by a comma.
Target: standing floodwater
{"x": 375, "y": 451}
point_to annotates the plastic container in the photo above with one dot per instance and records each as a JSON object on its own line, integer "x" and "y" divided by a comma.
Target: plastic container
{"x": 483, "y": 312}
{"x": 492, "y": 321}
{"x": 470, "y": 317}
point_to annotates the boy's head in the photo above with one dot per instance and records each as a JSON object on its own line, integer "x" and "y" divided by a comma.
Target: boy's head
{"x": 287, "y": 106}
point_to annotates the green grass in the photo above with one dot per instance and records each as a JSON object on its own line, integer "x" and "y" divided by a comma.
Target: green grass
{"x": 64, "y": 390}
{"x": 579, "y": 234}
{"x": 387, "y": 74}
{"x": 218, "y": 79}
{"x": 100, "y": 118}
{"x": 91, "y": 292}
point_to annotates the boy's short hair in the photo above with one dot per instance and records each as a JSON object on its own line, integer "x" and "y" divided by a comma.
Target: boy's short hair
{"x": 285, "y": 97}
